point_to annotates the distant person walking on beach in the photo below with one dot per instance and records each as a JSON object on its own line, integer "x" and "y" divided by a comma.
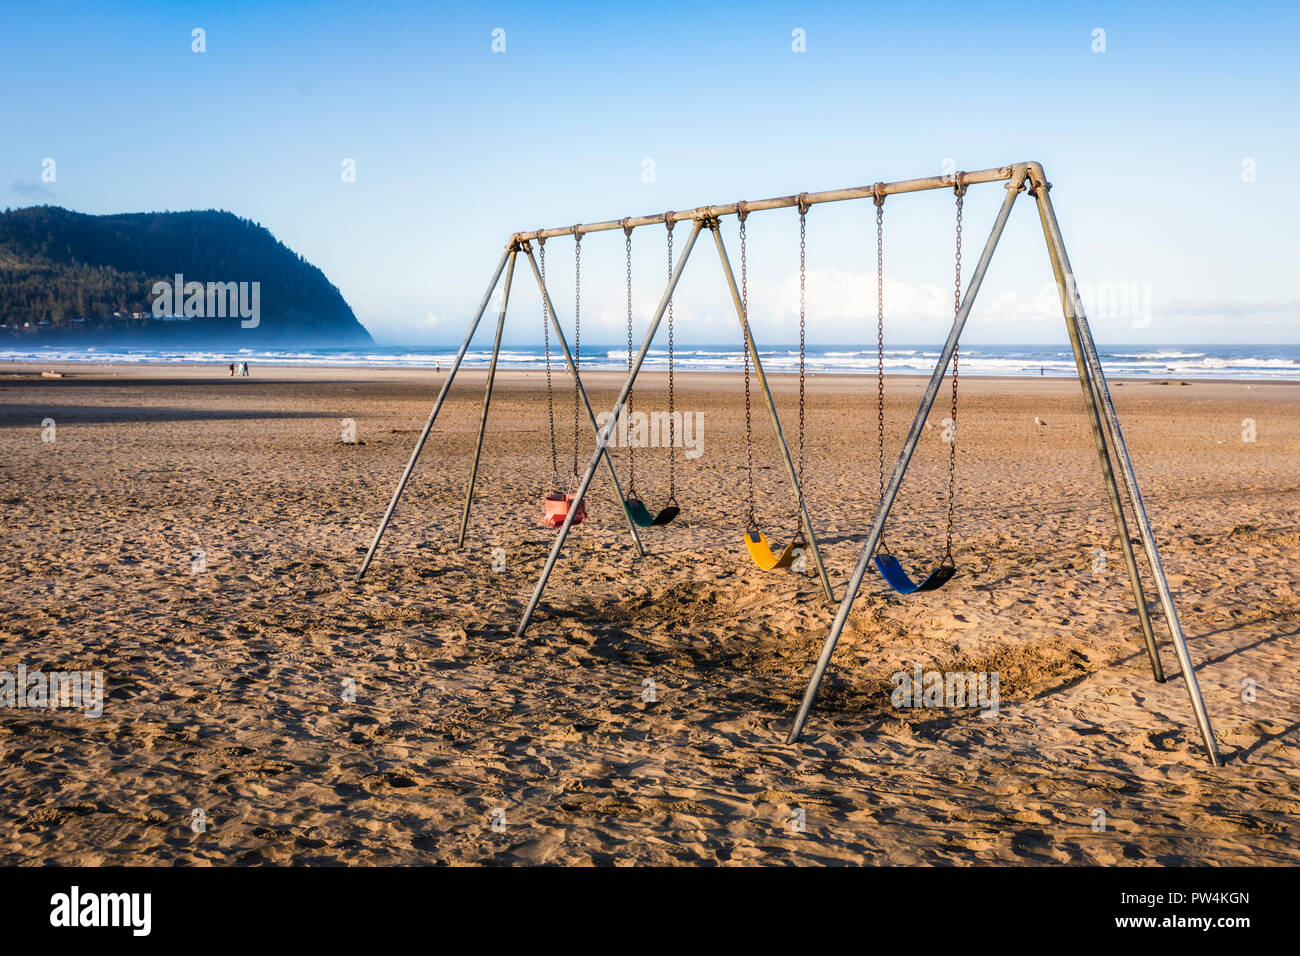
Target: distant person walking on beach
{"x": 243, "y": 369}
{"x": 232, "y": 369}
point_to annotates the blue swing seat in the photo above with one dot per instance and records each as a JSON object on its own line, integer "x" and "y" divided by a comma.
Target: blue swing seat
{"x": 898, "y": 579}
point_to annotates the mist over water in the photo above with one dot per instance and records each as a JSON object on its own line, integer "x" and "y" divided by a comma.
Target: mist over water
{"x": 1275, "y": 362}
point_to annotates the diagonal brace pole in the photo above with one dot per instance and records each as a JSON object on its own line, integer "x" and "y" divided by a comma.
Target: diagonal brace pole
{"x": 437, "y": 406}
{"x": 573, "y": 368}
{"x": 604, "y": 434}
{"x": 487, "y": 400}
{"x": 1056, "y": 245}
{"x": 905, "y": 456}
{"x": 804, "y": 517}
{"x": 1108, "y": 471}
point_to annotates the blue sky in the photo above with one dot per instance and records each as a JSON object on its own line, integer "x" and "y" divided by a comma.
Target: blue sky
{"x": 1149, "y": 145}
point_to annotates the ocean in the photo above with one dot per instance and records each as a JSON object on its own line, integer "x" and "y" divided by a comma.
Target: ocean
{"x": 1255, "y": 362}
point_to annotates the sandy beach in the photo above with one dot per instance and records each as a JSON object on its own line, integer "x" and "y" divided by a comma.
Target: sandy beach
{"x": 194, "y": 537}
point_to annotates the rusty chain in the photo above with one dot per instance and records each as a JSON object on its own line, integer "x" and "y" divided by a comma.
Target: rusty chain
{"x": 577, "y": 339}
{"x": 631, "y": 446}
{"x": 880, "y": 347}
{"x": 803, "y": 270}
{"x": 960, "y": 190}
{"x": 672, "y": 472}
{"x": 546, "y": 339}
{"x": 751, "y": 523}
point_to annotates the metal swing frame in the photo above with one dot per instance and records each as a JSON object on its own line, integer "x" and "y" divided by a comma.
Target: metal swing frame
{"x": 1103, "y": 419}
{"x": 522, "y": 243}
{"x": 506, "y": 265}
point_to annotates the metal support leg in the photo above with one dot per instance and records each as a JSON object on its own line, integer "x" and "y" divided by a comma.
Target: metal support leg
{"x": 804, "y": 518}
{"x": 573, "y": 368}
{"x": 608, "y": 430}
{"x": 437, "y": 406}
{"x": 487, "y": 400}
{"x": 1057, "y": 247}
{"x": 905, "y": 457}
{"x": 1108, "y": 476}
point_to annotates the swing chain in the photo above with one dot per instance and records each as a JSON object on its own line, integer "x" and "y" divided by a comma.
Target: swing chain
{"x": 751, "y": 522}
{"x": 577, "y": 339}
{"x": 803, "y": 270}
{"x": 960, "y": 189}
{"x": 880, "y": 343}
{"x": 672, "y": 474}
{"x": 631, "y": 446}
{"x": 546, "y": 338}
{"x": 880, "y": 331}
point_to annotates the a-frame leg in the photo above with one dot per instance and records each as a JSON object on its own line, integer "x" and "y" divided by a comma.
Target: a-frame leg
{"x": 433, "y": 415}
{"x": 809, "y": 534}
{"x": 573, "y": 369}
{"x": 607, "y": 431}
{"x": 487, "y": 400}
{"x": 905, "y": 457}
{"x": 1108, "y": 478}
{"x": 1072, "y": 304}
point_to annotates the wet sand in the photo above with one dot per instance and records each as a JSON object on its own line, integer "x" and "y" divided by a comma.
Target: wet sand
{"x": 228, "y": 685}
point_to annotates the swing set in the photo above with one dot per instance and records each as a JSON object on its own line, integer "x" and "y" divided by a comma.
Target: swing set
{"x": 635, "y": 507}
{"x": 556, "y": 502}
{"x": 755, "y": 541}
{"x": 563, "y": 507}
{"x": 886, "y": 563}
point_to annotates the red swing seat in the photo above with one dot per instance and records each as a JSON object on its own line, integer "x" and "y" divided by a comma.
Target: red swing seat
{"x": 555, "y": 508}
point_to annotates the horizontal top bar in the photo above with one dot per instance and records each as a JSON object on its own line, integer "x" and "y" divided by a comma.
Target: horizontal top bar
{"x": 1034, "y": 172}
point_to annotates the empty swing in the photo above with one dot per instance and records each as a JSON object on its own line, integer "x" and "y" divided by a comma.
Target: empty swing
{"x": 888, "y": 565}
{"x": 556, "y": 501}
{"x": 636, "y": 509}
{"x": 755, "y": 541}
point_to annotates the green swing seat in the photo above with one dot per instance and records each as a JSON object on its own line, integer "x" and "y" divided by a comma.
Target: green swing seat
{"x": 641, "y": 516}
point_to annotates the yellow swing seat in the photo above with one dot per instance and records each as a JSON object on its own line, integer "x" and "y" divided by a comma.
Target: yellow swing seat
{"x": 762, "y": 554}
